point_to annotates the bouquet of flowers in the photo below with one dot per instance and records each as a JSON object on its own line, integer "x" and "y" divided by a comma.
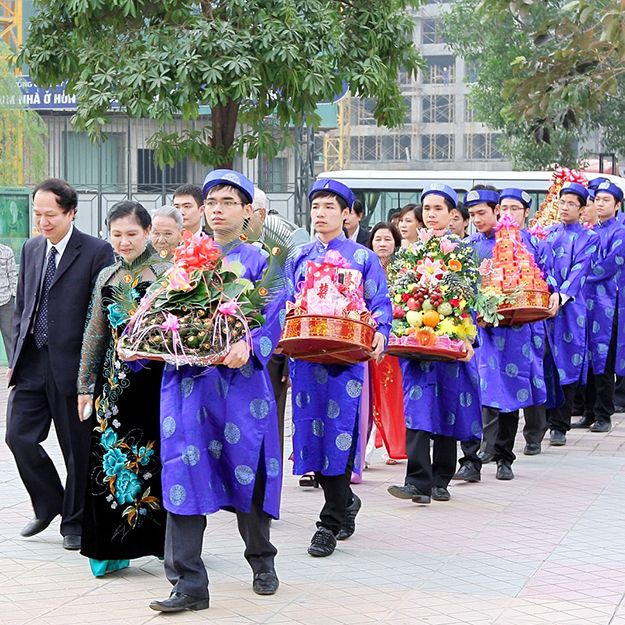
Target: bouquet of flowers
{"x": 434, "y": 287}
{"x": 548, "y": 214}
{"x": 201, "y": 307}
{"x": 329, "y": 321}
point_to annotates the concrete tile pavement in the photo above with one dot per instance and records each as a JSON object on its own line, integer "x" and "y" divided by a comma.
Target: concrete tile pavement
{"x": 545, "y": 548}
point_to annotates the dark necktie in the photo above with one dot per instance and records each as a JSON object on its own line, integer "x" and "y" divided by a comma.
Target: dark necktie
{"x": 41, "y": 323}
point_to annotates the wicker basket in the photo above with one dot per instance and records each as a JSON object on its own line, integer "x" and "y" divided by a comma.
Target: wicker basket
{"x": 326, "y": 340}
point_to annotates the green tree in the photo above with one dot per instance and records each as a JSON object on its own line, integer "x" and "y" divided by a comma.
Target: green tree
{"x": 22, "y": 131}
{"x": 248, "y": 60}
{"x": 538, "y": 80}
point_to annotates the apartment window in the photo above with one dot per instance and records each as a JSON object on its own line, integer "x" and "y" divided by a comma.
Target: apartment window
{"x": 437, "y": 147}
{"x": 437, "y": 109}
{"x": 273, "y": 175}
{"x": 481, "y": 146}
{"x": 471, "y": 71}
{"x": 431, "y": 31}
{"x": 440, "y": 70}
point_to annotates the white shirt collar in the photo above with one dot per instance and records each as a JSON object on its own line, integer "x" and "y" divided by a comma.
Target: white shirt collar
{"x": 61, "y": 245}
{"x": 199, "y": 231}
{"x": 354, "y": 236}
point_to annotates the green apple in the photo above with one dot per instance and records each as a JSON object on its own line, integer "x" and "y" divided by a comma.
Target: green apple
{"x": 414, "y": 318}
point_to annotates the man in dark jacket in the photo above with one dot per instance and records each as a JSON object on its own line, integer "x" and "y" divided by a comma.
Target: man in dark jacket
{"x": 58, "y": 270}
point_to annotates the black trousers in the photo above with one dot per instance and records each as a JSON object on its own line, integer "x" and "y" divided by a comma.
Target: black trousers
{"x": 599, "y": 405}
{"x": 535, "y": 424}
{"x": 34, "y": 403}
{"x": 619, "y": 391}
{"x": 278, "y": 369}
{"x": 560, "y": 418}
{"x": 470, "y": 450}
{"x": 490, "y": 427}
{"x": 424, "y": 472}
{"x": 184, "y": 536}
{"x": 506, "y": 433}
{"x": 338, "y": 495}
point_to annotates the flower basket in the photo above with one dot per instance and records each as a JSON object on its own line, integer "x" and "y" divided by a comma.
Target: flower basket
{"x": 199, "y": 309}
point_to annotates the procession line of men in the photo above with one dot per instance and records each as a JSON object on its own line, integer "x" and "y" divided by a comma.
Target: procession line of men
{"x": 524, "y": 367}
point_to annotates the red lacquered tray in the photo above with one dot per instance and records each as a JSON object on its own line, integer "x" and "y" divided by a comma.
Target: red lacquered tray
{"x": 526, "y": 314}
{"x": 326, "y": 340}
{"x": 421, "y": 352}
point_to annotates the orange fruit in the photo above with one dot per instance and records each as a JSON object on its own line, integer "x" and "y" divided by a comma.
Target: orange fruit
{"x": 431, "y": 318}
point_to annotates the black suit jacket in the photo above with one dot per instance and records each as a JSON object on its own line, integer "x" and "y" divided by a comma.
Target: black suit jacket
{"x": 363, "y": 236}
{"x": 68, "y": 302}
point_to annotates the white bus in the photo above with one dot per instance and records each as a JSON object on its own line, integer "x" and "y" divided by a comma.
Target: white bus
{"x": 383, "y": 190}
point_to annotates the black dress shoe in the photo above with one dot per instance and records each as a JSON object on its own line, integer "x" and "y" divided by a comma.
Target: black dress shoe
{"x": 557, "y": 438}
{"x": 177, "y": 602}
{"x": 504, "y": 470}
{"x": 36, "y": 526}
{"x": 532, "y": 449}
{"x": 601, "y": 426}
{"x": 440, "y": 493}
{"x": 583, "y": 423}
{"x": 349, "y": 523}
{"x": 265, "y": 583}
{"x": 485, "y": 457}
{"x": 71, "y": 542}
{"x": 323, "y": 543}
{"x": 467, "y": 472}
{"x": 407, "y": 491}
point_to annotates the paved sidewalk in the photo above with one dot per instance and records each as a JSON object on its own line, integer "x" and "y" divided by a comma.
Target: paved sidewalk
{"x": 546, "y": 548}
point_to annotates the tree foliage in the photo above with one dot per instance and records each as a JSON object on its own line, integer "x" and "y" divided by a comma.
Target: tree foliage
{"x": 247, "y": 60}
{"x": 22, "y": 131}
{"x": 546, "y": 73}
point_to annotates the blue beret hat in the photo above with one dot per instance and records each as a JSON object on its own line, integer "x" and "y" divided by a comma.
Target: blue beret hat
{"x": 333, "y": 186}
{"x": 595, "y": 182}
{"x": 231, "y": 178}
{"x": 576, "y": 189}
{"x": 479, "y": 196}
{"x": 609, "y": 187}
{"x": 443, "y": 190}
{"x": 516, "y": 194}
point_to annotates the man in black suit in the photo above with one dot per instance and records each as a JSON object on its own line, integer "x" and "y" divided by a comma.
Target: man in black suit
{"x": 353, "y": 229}
{"x": 58, "y": 270}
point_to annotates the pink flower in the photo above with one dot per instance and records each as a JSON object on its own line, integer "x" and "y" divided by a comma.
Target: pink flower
{"x": 228, "y": 308}
{"x": 486, "y": 267}
{"x": 538, "y": 231}
{"x": 425, "y": 235}
{"x": 336, "y": 259}
{"x": 447, "y": 246}
{"x": 179, "y": 279}
{"x": 431, "y": 270}
{"x": 171, "y": 323}
{"x": 507, "y": 221}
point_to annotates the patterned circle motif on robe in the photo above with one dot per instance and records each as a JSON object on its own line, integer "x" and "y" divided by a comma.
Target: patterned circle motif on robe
{"x": 450, "y": 418}
{"x": 580, "y": 321}
{"x": 334, "y": 410}
{"x": 191, "y": 455}
{"x": 232, "y": 434}
{"x": 266, "y": 346}
{"x": 244, "y": 474}
{"x": 415, "y": 393}
{"x": 344, "y": 441}
{"x": 247, "y": 370}
{"x": 567, "y": 337}
{"x": 360, "y": 256}
{"x": 371, "y": 288}
{"x": 273, "y": 467}
{"x": 282, "y": 317}
{"x": 259, "y": 408}
{"x": 177, "y": 494}
{"x": 320, "y": 374}
{"x": 512, "y": 370}
{"x": 353, "y": 388}
{"x": 302, "y": 399}
{"x": 186, "y": 387}
{"x": 522, "y": 394}
{"x": 538, "y": 382}
{"x": 577, "y": 359}
{"x": 169, "y": 426}
{"x": 466, "y": 399}
{"x": 500, "y": 343}
{"x": 476, "y": 428}
{"x": 318, "y": 427}
{"x": 214, "y": 448}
